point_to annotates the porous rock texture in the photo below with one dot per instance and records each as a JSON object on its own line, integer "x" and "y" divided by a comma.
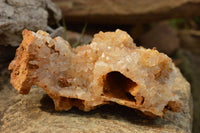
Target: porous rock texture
{"x": 16, "y": 15}
{"x": 111, "y": 69}
{"x": 35, "y": 113}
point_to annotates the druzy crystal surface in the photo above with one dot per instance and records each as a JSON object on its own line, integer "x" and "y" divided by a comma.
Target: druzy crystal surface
{"x": 109, "y": 69}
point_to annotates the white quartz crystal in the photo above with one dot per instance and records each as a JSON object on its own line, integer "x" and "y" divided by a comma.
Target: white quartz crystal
{"x": 111, "y": 69}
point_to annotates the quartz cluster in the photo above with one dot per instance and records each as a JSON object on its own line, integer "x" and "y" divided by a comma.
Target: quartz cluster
{"x": 110, "y": 69}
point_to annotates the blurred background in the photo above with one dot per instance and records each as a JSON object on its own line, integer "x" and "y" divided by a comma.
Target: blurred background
{"x": 173, "y": 27}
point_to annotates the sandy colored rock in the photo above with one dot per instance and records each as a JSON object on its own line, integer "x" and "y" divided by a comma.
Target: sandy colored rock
{"x": 126, "y": 11}
{"x": 35, "y": 113}
{"x": 111, "y": 69}
{"x": 189, "y": 66}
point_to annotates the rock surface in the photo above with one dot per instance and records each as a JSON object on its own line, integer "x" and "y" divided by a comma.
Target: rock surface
{"x": 16, "y": 15}
{"x": 163, "y": 37}
{"x": 190, "y": 40}
{"x": 126, "y": 11}
{"x": 35, "y": 113}
{"x": 189, "y": 57}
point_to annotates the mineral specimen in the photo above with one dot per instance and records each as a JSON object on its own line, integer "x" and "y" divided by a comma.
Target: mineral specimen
{"x": 110, "y": 69}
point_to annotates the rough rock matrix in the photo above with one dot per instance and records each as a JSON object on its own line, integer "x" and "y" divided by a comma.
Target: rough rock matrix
{"x": 111, "y": 69}
{"x": 16, "y": 15}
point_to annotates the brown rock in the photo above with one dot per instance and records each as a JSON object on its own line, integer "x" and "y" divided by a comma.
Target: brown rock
{"x": 163, "y": 37}
{"x": 126, "y": 11}
{"x": 190, "y": 40}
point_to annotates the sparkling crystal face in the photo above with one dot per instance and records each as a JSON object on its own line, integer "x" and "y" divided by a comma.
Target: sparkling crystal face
{"x": 111, "y": 69}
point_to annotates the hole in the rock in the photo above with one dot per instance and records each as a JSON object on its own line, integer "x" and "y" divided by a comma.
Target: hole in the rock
{"x": 47, "y": 104}
{"x": 118, "y": 86}
{"x": 142, "y": 100}
{"x": 173, "y": 106}
{"x": 77, "y": 103}
{"x": 71, "y": 102}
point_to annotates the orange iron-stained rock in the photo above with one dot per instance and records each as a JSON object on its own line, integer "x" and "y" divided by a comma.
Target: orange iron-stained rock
{"x": 110, "y": 69}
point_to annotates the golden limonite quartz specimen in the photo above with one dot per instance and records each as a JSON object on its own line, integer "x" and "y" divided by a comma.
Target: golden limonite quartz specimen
{"x": 110, "y": 69}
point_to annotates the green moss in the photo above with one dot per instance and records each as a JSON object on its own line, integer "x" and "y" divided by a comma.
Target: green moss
{"x": 178, "y": 23}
